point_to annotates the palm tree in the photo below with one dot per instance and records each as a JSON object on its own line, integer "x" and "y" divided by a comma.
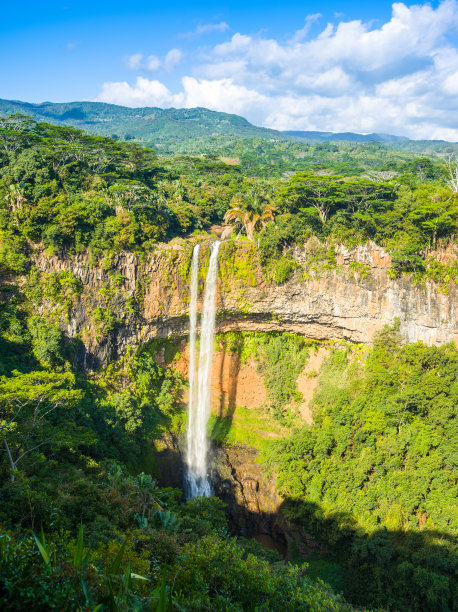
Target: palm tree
{"x": 251, "y": 214}
{"x": 15, "y": 197}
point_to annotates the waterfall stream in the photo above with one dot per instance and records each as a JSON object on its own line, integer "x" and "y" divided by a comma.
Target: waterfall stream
{"x": 191, "y": 451}
{"x": 198, "y": 483}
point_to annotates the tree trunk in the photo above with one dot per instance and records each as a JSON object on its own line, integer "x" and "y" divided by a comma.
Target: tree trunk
{"x": 10, "y": 457}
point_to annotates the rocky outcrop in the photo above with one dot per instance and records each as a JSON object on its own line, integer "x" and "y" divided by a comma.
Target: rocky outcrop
{"x": 254, "y": 507}
{"x": 149, "y": 299}
{"x": 251, "y": 498}
{"x": 253, "y": 504}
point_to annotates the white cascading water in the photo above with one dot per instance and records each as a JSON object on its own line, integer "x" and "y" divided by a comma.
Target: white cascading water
{"x": 198, "y": 483}
{"x": 191, "y": 452}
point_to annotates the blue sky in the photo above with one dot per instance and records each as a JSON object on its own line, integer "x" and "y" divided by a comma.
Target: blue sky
{"x": 358, "y": 66}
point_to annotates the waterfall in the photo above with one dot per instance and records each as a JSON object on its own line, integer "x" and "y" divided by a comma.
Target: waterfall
{"x": 191, "y": 450}
{"x": 198, "y": 483}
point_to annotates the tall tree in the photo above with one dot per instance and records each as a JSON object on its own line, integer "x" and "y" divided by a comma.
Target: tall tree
{"x": 27, "y": 403}
{"x": 323, "y": 193}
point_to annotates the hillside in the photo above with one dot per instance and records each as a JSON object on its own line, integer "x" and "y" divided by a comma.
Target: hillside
{"x": 146, "y": 125}
{"x": 200, "y": 130}
{"x": 388, "y": 141}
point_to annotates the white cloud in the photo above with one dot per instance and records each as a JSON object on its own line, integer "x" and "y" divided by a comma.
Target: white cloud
{"x": 303, "y": 32}
{"x": 205, "y": 28}
{"x": 172, "y": 59}
{"x": 221, "y": 94}
{"x": 152, "y": 63}
{"x": 145, "y": 92}
{"x": 133, "y": 61}
{"x": 451, "y": 84}
{"x": 399, "y": 77}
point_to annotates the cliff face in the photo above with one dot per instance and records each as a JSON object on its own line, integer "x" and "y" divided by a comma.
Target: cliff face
{"x": 149, "y": 299}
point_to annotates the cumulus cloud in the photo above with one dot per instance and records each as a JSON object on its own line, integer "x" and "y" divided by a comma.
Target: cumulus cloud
{"x": 400, "y": 77}
{"x": 221, "y": 95}
{"x": 145, "y": 92}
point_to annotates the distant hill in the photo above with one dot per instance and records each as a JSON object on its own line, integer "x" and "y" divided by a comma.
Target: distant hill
{"x": 151, "y": 124}
{"x": 174, "y": 127}
{"x": 146, "y": 125}
{"x": 351, "y": 136}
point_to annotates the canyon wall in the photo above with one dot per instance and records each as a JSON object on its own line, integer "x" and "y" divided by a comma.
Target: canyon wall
{"x": 148, "y": 299}
{"x": 127, "y": 300}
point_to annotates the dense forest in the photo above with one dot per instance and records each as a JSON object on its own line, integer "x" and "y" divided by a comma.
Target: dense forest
{"x": 83, "y": 522}
{"x": 65, "y": 189}
{"x": 373, "y": 477}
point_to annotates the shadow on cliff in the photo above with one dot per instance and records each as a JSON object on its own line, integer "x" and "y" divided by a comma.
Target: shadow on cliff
{"x": 227, "y": 399}
{"x": 393, "y": 570}
{"x": 14, "y": 357}
{"x": 169, "y": 465}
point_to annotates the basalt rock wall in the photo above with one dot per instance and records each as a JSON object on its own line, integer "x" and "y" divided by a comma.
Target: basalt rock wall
{"x": 253, "y": 504}
{"x": 149, "y": 299}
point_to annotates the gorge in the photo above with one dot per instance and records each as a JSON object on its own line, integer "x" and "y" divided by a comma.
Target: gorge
{"x": 199, "y": 355}
{"x": 348, "y": 303}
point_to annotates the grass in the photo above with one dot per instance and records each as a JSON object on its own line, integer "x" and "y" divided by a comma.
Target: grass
{"x": 248, "y": 427}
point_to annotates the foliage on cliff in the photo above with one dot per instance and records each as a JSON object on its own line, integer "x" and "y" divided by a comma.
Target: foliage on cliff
{"x": 280, "y": 358}
{"x": 374, "y": 477}
{"x": 407, "y": 220}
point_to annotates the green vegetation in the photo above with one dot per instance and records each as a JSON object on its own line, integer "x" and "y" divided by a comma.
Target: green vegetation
{"x": 146, "y": 125}
{"x": 199, "y": 130}
{"x": 80, "y": 531}
{"x": 83, "y": 524}
{"x": 237, "y": 269}
{"x": 186, "y": 559}
{"x": 374, "y": 478}
{"x": 69, "y": 192}
{"x": 247, "y": 427}
{"x": 253, "y": 211}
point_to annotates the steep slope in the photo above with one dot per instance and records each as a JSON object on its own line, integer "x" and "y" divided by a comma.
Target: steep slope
{"x": 336, "y": 304}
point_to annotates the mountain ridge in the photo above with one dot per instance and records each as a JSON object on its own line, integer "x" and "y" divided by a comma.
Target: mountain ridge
{"x": 314, "y": 135}
{"x": 143, "y": 124}
{"x": 153, "y": 124}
